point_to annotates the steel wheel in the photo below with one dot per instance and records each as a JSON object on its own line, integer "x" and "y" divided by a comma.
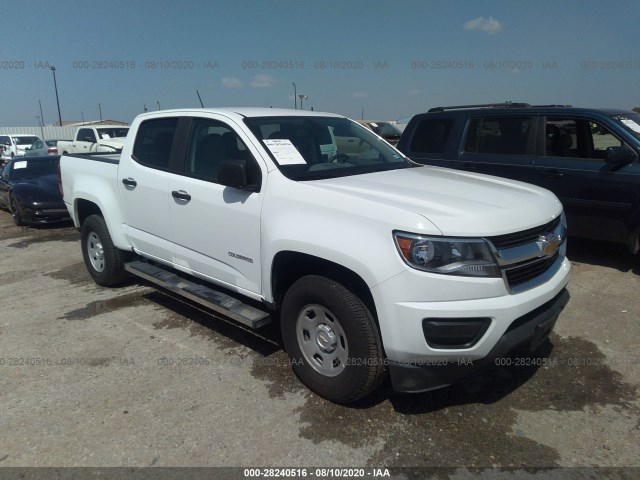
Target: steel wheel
{"x": 95, "y": 251}
{"x": 322, "y": 340}
{"x": 104, "y": 262}
{"x": 332, "y": 339}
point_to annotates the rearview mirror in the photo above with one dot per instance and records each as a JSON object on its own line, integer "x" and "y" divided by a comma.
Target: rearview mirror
{"x": 620, "y": 155}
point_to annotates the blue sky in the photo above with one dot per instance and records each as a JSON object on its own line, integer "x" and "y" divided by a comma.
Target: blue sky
{"x": 390, "y": 58}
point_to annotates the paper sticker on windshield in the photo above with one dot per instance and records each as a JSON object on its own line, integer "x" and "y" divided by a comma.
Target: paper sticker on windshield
{"x": 632, "y": 125}
{"x": 20, "y": 164}
{"x": 284, "y": 152}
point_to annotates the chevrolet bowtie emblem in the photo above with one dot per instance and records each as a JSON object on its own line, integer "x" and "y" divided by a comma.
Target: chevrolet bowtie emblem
{"x": 548, "y": 244}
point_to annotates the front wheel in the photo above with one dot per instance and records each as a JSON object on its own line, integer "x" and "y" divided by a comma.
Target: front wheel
{"x": 15, "y": 211}
{"x": 103, "y": 260}
{"x": 332, "y": 340}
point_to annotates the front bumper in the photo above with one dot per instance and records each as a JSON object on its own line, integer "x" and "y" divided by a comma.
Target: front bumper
{"x": 40, "y": 215}
{"x": 530, "y": 330}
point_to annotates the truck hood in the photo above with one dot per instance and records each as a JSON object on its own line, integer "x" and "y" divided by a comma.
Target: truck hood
{"x": 457, "y": 203}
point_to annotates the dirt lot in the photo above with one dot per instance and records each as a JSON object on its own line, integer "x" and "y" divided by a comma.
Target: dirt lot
{"x": 132, "y": 377}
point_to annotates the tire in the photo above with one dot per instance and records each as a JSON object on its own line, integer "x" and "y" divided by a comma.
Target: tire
{"x": 15, "y": 211}
{"x": 332, "y": 340}
{"x": 103, "y": 260}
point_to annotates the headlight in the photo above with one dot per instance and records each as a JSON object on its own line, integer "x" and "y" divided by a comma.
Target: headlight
{"x": 450, "y": 256}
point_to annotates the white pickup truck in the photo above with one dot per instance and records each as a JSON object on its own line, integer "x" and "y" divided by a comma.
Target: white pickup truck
{"x": 372, "y": 264}
{"x": 103, "y": 138}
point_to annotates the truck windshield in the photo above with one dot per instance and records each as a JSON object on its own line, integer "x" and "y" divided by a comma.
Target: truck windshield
{"x": 311, "y": 148}
{"x": 631, "y": 122}
{"x": 25, "y": 140}
{"x": 106, "y": 133}
{"x": 386, "y": 130}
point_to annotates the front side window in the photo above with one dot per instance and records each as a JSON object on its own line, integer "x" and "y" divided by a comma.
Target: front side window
{"x": 152, "y": 146}
{"x": 498, "y": 135}
{"x": 310, "y": 148}
{"x": 578, "y": 138}
{"x": 86, "y": 135}
{"x": 212, "y": 142}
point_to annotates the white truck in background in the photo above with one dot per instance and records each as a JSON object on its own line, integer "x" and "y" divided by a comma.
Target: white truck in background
{"x": 372, "y": 264}
{"x": 95, "y": 139}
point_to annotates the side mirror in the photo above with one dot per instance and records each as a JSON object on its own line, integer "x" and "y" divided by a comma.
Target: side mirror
{"x": 233, "y": 173}
{"x": 88, "y": 139}
{"x": 620, "y": 155}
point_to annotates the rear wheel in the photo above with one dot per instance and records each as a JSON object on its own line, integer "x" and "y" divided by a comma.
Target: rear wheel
{"x": 332, "y": 340}
{"x": 103, "y": 260}
{"x": 15, "y": 211}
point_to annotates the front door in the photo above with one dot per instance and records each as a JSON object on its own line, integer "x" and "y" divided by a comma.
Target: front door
{"x": 216, "y": 229}
{"x": 599, "y": 198}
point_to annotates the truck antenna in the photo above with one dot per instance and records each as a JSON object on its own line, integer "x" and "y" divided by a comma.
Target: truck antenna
{"x": 201, "y": 104}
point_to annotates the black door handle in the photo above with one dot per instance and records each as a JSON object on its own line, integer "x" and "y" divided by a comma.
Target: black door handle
{"x": 129, "y": 182}
{"x": 181, "y": 195}
{"x": 553, "y": 174}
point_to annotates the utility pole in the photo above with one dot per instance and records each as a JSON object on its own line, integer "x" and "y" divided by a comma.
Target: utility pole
{"x": 55, "y": 85}
{"x": 295, "y": 96}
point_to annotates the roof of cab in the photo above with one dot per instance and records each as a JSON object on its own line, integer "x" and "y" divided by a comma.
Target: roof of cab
{"x": 248, "y": 112}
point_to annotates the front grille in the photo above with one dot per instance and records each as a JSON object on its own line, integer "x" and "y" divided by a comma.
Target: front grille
{"x": 520, "y": 274}
{"x": 525, "y": 236}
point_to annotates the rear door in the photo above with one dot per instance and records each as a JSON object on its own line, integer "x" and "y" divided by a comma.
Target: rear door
{"x": 216, "y": 229}
{"x": 600, "y": 199}
{"x": 144, "y": 186}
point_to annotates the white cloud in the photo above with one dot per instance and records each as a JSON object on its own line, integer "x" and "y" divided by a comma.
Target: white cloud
{"x": 488, "y": 25}
{"x": 360, "y": 94}
{"x": 232, "y": 82}
{"x": 263, "y": 81}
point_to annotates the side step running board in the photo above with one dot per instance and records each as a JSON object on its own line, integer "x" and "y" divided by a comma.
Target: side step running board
{"x": 220, "y": 302}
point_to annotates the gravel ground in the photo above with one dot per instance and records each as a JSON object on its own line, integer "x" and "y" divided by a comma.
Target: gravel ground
{"x": 100, "y": 377}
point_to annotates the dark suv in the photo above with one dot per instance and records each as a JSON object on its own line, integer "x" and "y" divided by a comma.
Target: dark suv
{"x": 587, "y": 157}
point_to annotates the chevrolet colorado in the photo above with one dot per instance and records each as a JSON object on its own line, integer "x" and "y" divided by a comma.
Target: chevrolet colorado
{"x": 372, "y": 264}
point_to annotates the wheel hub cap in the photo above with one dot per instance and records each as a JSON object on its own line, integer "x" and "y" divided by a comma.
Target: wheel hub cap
{"x": 326, "y": 338}
{"x": 322, "y": 340}
{"x": 95, "y": 251}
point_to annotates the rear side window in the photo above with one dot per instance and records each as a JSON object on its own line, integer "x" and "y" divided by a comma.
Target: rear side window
{"x": 152, "y": 147}
{"x": 431, "y": 136}
{"x": 498, "y": 135}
